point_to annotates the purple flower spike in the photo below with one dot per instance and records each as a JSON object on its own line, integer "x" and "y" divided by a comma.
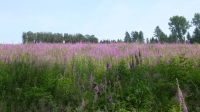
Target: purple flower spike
{"x": 7, "y": 59}
{"x": 181, "y": 98}
{"x": 82, "y": 87}
{"x": 157, "y": 59}
{"x": 110, "y": 97}
{"x": 96, "y": 89}
{"x": 108, "y": 65}
{"x": 83, "y": 103}
{"x": 101, "y": 87}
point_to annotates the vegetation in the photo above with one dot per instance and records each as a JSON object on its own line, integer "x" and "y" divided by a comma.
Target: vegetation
{"x": 48, "y": 37}
{"x": 178, "y": 25}
{"x": 118, "y": 77}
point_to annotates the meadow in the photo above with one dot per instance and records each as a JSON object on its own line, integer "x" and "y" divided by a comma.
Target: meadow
{"x": 116, "y": 77}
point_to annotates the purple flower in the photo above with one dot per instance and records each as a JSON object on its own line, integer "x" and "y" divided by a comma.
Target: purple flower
{"x": 101, "y": 88}
{"x": 82, "y": 87}
{"x": 96, "y": 89}
{"x": 7, "y": 59}
{"x": 83, "y": 103}
{"x": 108, "y": 65}
{"x": 157, "y": 59}
{"x": 181, "y": 99}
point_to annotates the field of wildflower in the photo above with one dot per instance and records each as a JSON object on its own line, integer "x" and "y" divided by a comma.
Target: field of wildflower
{"x": 116, "y": 77}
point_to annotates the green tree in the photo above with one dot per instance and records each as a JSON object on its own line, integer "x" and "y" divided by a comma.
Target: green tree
{"x": 91, "y": 38}
{"x": 141, "y": 37}
{"x": 30, "y": 36}
{"x": 147, "y": 40}
{"x": 172, "y": 38}
{"x": 188, "y": 36}
{"x": 160, "y": 35}
{"x": 58, "y": 38}
{"x": 127, "y": 37}
{"x": 153, "y": 40}
{"x": 119, "y": 40}
{"x": 79, "y": 37}
{"x": 66, "y": 37}
{"x": 24, "y": 37}
{"x": 196, "y": 20}
{"x": 135, "y": 36}
{"x": 178, "y": 26}
{"x": 196, "y": 36}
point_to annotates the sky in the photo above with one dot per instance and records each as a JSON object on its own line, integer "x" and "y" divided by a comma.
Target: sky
{"x": 106, "y": 19}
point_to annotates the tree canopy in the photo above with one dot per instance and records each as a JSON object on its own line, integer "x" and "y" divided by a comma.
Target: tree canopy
{"x": 178, "y": 25}
{"x": 48, "y": 37}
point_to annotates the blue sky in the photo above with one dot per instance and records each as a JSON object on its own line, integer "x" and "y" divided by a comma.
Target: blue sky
{"x": 106, "y": 19}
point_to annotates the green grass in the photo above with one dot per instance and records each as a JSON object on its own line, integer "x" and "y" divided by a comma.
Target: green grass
{"x": 43, "y": 86}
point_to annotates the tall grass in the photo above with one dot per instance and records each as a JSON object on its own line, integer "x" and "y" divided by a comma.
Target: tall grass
{"x": 99, "y": 77}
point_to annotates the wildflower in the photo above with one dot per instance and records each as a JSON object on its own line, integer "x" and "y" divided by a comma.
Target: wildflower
{"x": 157, "y": 59}
{"x": 83, "y": 103}
{"x": 101, "y": 88}
{"x": 181, "y": 99}
{"x": 108, "y": 65}
{"x": 96, "y": 89}
{"x": 82, "y": 87}
{"x": 7, "y": 59}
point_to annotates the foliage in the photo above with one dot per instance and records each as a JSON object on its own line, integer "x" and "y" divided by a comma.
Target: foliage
{"x": 29, "y": 81}
{"x": 178, "y": 26}
{"x": 127, "y": 37}
{"x": 48, "y": 37}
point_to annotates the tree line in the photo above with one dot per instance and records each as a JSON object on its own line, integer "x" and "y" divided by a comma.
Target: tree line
{"x": 48, "y": 37}
{"x": 178, "y": 25}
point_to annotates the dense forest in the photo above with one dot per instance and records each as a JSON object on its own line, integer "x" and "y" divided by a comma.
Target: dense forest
{"x": 178, "y": 25}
